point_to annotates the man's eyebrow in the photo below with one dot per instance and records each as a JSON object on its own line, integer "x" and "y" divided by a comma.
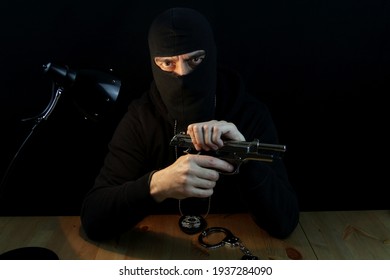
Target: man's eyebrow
{"x": 199, "y": 53}
{"x": 175, "y": 58}
{"x": 165, "y": 58}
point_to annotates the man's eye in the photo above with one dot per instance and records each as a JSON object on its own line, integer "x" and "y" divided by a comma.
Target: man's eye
{"x": 195, "y": 61}
{"x": 166, "y": 65}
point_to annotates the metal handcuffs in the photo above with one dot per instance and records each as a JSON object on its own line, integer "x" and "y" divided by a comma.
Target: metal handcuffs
{"x": 229, "y": 239}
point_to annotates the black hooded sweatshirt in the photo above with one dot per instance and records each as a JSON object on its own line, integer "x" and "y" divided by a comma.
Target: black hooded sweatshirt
{"x": 120, "y": 197}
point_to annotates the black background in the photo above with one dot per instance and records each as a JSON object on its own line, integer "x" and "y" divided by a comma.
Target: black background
{"x": 322, "y": 67}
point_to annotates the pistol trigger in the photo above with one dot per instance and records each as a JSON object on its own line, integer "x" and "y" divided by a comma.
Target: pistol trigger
{"x": 236, "y": 168}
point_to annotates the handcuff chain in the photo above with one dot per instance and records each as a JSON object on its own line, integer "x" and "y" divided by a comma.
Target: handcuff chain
{"x": 236, "y": 242}
{"x": 244, "y": 249}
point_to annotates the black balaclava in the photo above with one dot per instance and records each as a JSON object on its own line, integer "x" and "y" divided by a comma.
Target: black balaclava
{"x": 189, "y": 98}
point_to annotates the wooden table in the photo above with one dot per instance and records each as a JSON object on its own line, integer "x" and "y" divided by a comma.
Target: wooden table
{"x": 320, "y": 235}
{"x": 348, "y": 235}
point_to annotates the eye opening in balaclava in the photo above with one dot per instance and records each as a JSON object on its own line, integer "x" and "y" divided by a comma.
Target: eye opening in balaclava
{"x": 189, "y": 98}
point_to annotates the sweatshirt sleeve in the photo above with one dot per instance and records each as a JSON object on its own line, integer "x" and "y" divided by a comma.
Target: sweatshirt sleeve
{"x": 108, "y": 211}
{"x": 266, "y": 188}
{"x": 270, "y": 198}
{"x": 120, "y": 197}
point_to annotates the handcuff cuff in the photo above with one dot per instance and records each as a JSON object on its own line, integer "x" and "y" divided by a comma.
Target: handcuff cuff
{"x": 229, "y": 239}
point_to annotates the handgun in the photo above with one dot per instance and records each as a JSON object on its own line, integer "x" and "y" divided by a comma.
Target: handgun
{"x": 234, "y": 152}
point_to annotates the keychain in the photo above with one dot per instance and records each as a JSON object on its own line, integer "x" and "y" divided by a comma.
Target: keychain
{"x": 229, "y": 239}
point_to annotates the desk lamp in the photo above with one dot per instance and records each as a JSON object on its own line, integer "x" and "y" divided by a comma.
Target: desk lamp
{"x": 94, "y": 94}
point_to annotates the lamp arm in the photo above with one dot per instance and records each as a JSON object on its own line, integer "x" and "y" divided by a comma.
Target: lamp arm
{"x": 55, "y": 96}
{"x": 38, "y": 119}
{"x": 52, "y": 105}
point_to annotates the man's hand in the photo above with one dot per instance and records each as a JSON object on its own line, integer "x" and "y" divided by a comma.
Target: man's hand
{"x": 210, "y": 135}
{"x": 189, "y": 176}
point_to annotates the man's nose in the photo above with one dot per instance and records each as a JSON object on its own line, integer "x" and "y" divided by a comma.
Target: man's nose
{"x": 182, "y": 68}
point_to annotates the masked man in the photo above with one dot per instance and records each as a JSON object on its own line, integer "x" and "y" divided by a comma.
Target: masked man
{"x": 143, "y": 174}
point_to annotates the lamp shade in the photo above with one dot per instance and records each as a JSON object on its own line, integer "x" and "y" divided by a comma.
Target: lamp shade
{"x": 93, "y": 92}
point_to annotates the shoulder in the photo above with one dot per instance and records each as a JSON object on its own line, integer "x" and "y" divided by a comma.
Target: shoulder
{"x": 248, "y": 112}
{"x": 144, "y": 113}
{"x": 140, "y": 103}
{"x": 229, "y": 75}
